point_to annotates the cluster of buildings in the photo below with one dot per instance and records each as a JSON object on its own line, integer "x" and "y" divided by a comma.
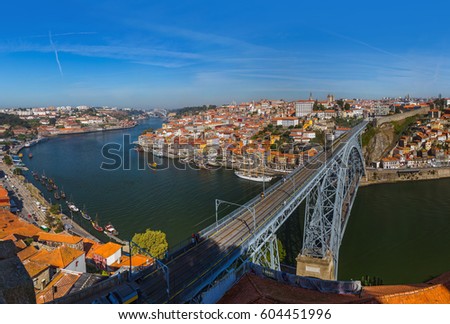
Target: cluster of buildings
{"x": 282, "y": 132}
{"x": 427, "y": 145}
{"x": 68, "y": 120}
{"x": 61, "y": 263}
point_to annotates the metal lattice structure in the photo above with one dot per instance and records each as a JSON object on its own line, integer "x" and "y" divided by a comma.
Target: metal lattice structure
{"x": 329, "y": 196}
{"x": 268, "y": 255}
{"x": 329, "y": 203}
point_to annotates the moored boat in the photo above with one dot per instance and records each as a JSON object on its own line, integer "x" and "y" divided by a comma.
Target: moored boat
{"x": 96, "y": 226}
{"x": 63, "y": 194}
{"x": 253, "y": 177}
{"x": 72, "y": 207}
{"x": 30, "y": 155}
{"x": 158, "y": 153}
{"x": 111, "y": 230}
{"x": 85, "y": 215}
{"x": 56, "y": 195}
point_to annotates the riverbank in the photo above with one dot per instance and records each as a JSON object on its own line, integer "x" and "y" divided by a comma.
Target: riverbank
{"x": 29, "y": 197}
{"x": 380, "y": 176}
{"x": 90, "y": 130}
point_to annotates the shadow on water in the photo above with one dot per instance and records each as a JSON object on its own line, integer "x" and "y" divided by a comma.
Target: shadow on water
{"x": 291, "y": 235}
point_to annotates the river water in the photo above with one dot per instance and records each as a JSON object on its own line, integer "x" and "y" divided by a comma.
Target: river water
{"x": 398, "y": 232}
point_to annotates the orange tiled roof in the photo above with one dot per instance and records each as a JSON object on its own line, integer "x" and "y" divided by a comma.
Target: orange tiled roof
{"x": 106, "y": 250}
{"x": 11, "y": 224}
{"x": 137, "y": 260}
{"x": 34, "y": 268}
{"x": 27, "y": 252}
{"x": 59, "y": 258}
{"x": 409, "y": 294}
{"x": 64, "y": 282}
{"x": 59, "y": 238}
{"x": 3, "y": 193}
{"x": 89, "y": 246}
{"x": 266, "y": 291}
{"x": 263, "y": 290}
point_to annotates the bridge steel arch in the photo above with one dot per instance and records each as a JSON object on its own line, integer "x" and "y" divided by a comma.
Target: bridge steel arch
{"x": 329, "y": 196}
{"x": 328, "y": 183}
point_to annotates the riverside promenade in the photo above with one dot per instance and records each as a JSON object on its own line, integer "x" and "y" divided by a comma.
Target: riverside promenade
{"x": 29, "y": 196}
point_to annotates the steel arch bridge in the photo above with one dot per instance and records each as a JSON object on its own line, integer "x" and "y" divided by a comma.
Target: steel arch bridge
{"x": 327, "y": 184}
{"x": 329, "y": 196}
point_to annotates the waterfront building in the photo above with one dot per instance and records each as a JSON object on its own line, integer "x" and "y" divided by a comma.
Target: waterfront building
{"x": 390, "y": 163}
{"x": 106, "y": 255}
{"x": 56, "y": 240}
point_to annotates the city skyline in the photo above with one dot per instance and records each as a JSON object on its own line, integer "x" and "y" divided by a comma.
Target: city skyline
{"x": 179, "y": 54}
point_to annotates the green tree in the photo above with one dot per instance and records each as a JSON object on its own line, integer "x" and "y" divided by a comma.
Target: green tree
{"x": 17, "y": 171}
{"x": 340, "y": 103}
{"x": 59, "y": 227}
{"x": 54, "y": 209}
{"x": 7, "y": 159}
{"x": 154, "y": 242}
{"x": 318, "y": 106}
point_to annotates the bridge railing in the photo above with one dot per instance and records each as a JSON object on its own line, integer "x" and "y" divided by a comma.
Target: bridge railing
{"x": 211, "y": 229}
{"x": 186, "y": 244}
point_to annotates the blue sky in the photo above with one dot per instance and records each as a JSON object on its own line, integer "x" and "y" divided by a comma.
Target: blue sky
{"x": 171, "y": 54}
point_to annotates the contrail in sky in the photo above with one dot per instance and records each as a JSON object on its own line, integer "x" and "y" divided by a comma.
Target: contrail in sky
{"x": 56, "y": 53}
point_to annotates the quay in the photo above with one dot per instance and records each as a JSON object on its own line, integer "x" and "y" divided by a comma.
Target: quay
{"x": 29, "y": 195}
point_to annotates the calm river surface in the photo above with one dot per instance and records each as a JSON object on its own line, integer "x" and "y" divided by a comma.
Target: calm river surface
{"x": 398, "y": 232}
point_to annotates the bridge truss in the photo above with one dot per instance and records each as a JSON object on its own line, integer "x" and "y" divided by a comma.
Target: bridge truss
{"x": 329, "y": 196}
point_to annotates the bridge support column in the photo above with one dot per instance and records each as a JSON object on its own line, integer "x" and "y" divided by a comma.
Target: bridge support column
{"x": 327, "y": 212}
{"x": 322, "y": 268}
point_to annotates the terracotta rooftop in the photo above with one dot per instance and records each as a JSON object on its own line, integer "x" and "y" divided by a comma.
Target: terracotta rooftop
{"x": 11, "y": 224}
{"x": 59, "y": 258}
{"x": 63, "y": 282}
{"x": 34, "y": 268}
{"x": 89, "y": 246}
{"x": 403, "y": 294}
{"x": 106, "y": 250}
{"x": 59, "y": 238}
{"x": 3, "y": 193}
{"x": 27, "y": 252}
{"x": 252, "y": 289}
{"x": 137, "y": 260}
